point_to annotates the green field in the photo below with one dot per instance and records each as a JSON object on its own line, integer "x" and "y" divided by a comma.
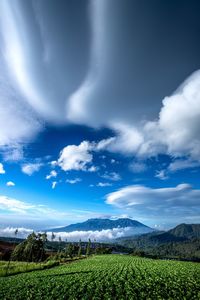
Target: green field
{"x": 107, "y": 277}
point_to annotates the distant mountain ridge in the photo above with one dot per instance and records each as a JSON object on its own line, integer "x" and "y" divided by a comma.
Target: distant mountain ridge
{"x": 104, "y": 224}
{"x": 180, "y": 233}
{"x": 186, "y": 230}
{"x": 181, "y": 242}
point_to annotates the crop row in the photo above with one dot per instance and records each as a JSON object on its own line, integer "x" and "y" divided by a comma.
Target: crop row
{"x": 107, "y": 277}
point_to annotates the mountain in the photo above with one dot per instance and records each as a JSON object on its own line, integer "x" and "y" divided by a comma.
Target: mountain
{"x": 186, "y": 231}
{"x": 182, "y": 242}
{"x": 103, "y": 224}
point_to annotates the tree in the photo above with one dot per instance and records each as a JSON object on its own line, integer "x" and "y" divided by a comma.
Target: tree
{"x": 16, "y": 232}
{"x": 8, "y": 265}
{"x": 60, "y": 240}
{"x": 32, "y": 249}
{"x": 79, "y": 248}
{"x": 88, "y": 250}
{"x": 69, "y": 250}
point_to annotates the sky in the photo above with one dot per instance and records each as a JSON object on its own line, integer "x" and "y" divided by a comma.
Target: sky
{"x": 99, "y": 112}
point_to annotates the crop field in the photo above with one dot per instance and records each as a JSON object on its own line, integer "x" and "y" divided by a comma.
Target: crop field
{"x": 107, "y": 277}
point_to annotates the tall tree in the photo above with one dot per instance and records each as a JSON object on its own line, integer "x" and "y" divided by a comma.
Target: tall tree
{"x": 88, "y": 250}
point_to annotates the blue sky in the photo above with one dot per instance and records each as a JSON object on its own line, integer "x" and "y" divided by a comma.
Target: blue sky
{"x": 99, "y": 112}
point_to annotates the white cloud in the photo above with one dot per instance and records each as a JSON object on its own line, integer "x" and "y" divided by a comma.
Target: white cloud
{"x": 2, "y": 171}
{"x": 12, "y": 153}
{"x": 31, "y": 168}
{"x": 104, "y": 184}
{"x": 93, "y": 169}
{"x": 103, "y": 235}
{"x": 18, "y": 122}
{"x": 104, "y": 144}
{"x": 73, "y": 181}
{"x": 12, "y": 204}
{"x": 161, "y": 174}
{"x": 74, "y": 236}
{"x": 53, "y": 163}
{"x": 137, "y": 167}
{"x": 52, "y": 174}
{"x": 10, "y": 183}
{"x": 176, "y": 202}
{"x": 111, "y": 176}
{"x": 74, "y": 157}
{"x": 10, "y": 232}
{"x": 54, "y": 183}
{"x": 181, "y": 164}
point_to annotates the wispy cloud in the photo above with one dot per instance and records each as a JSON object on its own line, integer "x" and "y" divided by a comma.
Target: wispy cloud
{"x": 138, "y": 167}
{"x": 162, "y": 174}
{"x": 73, "y": 181}
{"x": 174, "y": 202}
{"x": 111, "y": 176}
{"x": 54, "y": 184}
{"x": 104, "y": 184}
{"x": 52, "y": 174}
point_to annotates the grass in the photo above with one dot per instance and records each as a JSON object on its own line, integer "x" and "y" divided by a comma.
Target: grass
{"x": 107, "y": 277}
{"x": 22, "y": 267}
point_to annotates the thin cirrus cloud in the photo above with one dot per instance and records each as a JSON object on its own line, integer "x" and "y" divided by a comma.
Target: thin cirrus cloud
{"x": 111, "y": 176}
{"x": 175, "y": 202}
{"x": 140, "y": 129}
{"x": 73, "y": 181}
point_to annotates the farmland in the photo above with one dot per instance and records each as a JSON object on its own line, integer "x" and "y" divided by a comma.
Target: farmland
{"x": 107, "y": 277}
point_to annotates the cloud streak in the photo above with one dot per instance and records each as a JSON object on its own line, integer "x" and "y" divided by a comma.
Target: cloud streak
{"x": 174, "y": 202}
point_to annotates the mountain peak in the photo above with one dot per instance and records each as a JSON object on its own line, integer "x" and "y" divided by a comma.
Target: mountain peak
{"x": 98, "y": 224}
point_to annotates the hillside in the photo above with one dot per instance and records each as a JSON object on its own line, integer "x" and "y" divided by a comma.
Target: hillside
{"x": 182, "y": 242}
{"x": 103, "y": 224}
{"x": 186, "y": 231}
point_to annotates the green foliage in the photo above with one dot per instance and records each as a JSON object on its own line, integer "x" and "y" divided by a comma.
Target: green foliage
{"x": 88, "y": 249}
{"x": 70, "y": 250}
{"x": 21, "y": 267}
{"x": 107, "y": 277}
{"x": 31, "y": 249}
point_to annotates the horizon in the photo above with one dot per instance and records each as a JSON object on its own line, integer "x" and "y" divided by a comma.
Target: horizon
{"x": 99, "y": 112}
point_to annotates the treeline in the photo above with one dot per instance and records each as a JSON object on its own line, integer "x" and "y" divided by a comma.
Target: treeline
{"x": 37, "y": 248}
{"x": 184, "y": 250}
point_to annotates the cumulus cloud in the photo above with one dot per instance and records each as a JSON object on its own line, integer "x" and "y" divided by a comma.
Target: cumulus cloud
{"x": 74, "y": 157}
{"x": 2, "y": 171}
{"x": 176, "y": 202}
{"x": 52, "y": 174}
{"x": 10, "y": 183}
{"x": 31, "y": 168}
